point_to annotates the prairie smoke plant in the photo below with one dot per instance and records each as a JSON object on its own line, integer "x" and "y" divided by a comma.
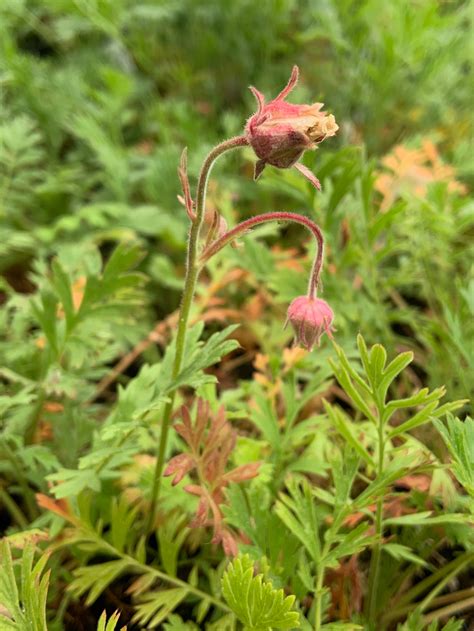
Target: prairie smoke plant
{"x": 279, "y": 133}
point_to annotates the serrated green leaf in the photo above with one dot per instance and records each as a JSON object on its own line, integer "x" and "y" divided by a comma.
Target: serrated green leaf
{"x": 254, "y": 601}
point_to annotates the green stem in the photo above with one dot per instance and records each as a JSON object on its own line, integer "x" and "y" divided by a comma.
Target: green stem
{"x": 455, "y": 608}
{"x": 192, "y": 271}
{"x": 457, "y": 564}
{"x": 320, "y": 572}
{"x": 441, "y": 585}
{"x": 178, "y": 583}
{"x": 147, "y": 569}
{"x": 447, "y": 599}
{"x": 13, "y": 509}
{"x": 319, "y": 598}
{"x": 22, "y": 480}
{"x": 374, "y": 571}
{"x": 35, "y": 417}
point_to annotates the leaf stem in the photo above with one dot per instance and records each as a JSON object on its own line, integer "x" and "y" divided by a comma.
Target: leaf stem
{"x": 192, "y": 272}
{"x": 148, "y": 569}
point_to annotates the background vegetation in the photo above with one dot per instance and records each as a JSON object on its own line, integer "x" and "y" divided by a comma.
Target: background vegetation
{"x": 98, "y": 99}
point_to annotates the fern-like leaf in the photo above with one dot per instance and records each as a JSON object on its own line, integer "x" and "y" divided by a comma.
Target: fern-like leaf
{"x": 21, "y": 160}
{"x": 156, "y": 607}
{"x": 93, "y": 579}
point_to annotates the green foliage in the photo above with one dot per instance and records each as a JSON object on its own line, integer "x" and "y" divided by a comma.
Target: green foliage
{"x": 110, "y": 624}
{"x": 155, "y": 607}
{"x": 255, "y": 602}
{"x": 24, "y": 600}
{"x": 415, "y": 623}
{"x": 360, "y": 509}
{"x": 459, "y": 439}
{"x": 93, "y": 579}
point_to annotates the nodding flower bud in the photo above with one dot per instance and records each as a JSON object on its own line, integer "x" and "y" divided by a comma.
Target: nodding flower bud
{"x": 310, "y": 319}
{"x": 279, "y": 132}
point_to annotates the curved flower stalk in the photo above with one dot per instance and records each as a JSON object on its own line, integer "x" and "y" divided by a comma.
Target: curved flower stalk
{"x": 309, "y": 316}
{"x": 279, "y": 133}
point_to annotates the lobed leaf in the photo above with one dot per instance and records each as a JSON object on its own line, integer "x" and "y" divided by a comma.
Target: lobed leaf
{"x": 254, "y": 601}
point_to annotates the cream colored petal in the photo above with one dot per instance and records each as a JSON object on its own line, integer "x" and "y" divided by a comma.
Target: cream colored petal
{"x": 299, "y": 123}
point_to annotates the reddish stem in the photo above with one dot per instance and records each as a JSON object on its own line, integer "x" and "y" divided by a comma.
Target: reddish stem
{"x": 248, "y": 224}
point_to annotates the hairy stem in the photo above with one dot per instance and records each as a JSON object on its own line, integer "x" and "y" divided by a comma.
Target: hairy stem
{"x": 248, "y": 224}
{"x": 192, "y": 271}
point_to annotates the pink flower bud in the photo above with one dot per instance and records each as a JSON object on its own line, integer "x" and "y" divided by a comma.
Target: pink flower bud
{"x": 279, "y": 132}
{"x": 310, "y": 318}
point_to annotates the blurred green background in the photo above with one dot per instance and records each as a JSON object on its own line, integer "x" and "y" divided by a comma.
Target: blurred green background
{"x": 98, "y": 98}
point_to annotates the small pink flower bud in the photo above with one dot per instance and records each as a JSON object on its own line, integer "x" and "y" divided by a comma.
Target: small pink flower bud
{"x": 279, "y": 132}
{"x": 310, "y": 319}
